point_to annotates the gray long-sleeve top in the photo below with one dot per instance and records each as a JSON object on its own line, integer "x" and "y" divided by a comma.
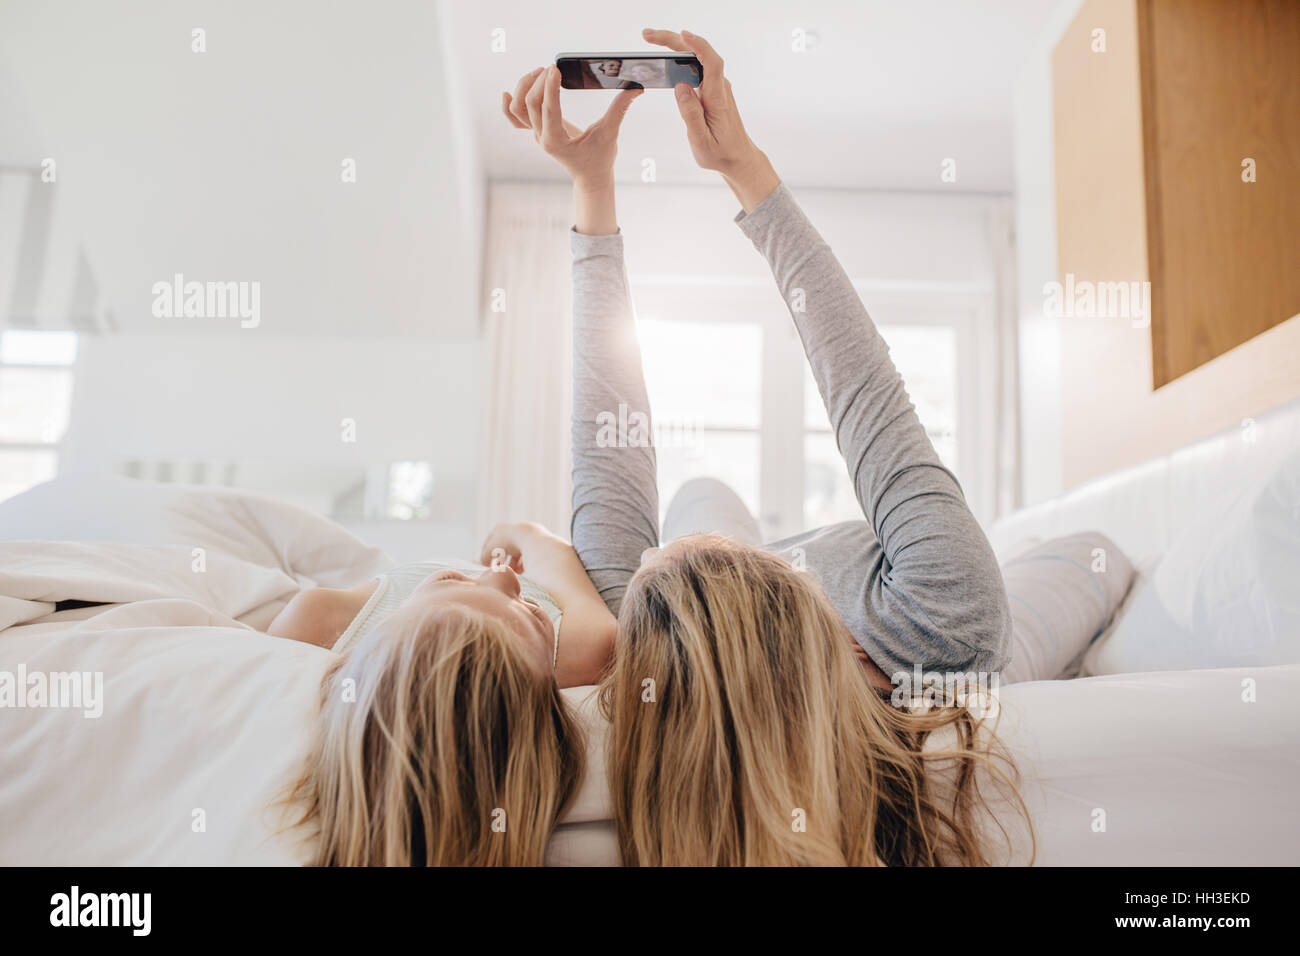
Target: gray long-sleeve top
{"x": 916, "y": 583}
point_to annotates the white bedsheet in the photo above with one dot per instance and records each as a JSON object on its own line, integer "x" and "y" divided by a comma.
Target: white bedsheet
{"x": 117, "y": 540}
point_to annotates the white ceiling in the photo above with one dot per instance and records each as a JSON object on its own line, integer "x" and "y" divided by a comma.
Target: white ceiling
{"x": 225, "y": 166}
{"x": 891, "y": 89}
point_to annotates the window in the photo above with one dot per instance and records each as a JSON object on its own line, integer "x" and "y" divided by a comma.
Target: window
{"x": 733, "y": 380}
{"x": 410, "y": 490}
{"x": 35, "y": 403}
{"x": 926, "y": 357}
{"x": 703, "y": 379}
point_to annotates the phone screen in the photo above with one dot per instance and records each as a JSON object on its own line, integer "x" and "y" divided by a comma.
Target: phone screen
{"x": 627, "y": 72}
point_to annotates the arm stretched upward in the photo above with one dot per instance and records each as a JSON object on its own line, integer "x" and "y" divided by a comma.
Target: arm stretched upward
{"x": 916, "y": 583}
{"x": 615, "y": 495}
{"x": 615, "y": 504}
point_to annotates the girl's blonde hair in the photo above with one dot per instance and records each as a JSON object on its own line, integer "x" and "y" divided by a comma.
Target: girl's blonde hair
{"x": 744, "y": 730}
{"x": 440, "y": 744}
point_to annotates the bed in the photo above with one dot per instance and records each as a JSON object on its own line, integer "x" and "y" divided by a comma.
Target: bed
{"x": 202, "y": 719}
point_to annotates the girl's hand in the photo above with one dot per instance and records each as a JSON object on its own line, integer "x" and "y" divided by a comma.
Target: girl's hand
{"x": 511, "y": 544}
{"x": 503, "y": 548}
{"x": 587, "y": 628}
{"x": 588, "y": 154}
{"x": 713, "y": 127}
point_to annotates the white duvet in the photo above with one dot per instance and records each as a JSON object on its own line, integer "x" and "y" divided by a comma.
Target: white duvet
{"x": 204, "y": 719}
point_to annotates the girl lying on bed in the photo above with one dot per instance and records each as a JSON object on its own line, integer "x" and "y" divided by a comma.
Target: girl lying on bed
{"x": 443, "y": 739}
{"x": 748, "y": 699}
{"x": 750, "y": 721}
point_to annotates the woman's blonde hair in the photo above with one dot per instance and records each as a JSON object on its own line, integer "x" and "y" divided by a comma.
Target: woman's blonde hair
{"x": 440, "y": 744}
{"x": 744, "y": 730}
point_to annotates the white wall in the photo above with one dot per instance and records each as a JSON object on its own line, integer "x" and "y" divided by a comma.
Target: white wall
{"x": 227, "y": 164}
{"x": 1040, "y": 335}
{"x": 278, "y": 402}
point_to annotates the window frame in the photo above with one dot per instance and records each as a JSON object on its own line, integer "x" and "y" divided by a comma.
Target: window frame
{"x": 68, "y": 369}
{"x": 967, "y": 308}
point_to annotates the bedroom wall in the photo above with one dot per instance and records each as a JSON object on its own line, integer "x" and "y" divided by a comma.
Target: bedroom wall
{"x": 1087, "y": 401}
{"x": 276, "y": 405}
{"x": 1112, "y": 414}
{"x": 313, "y": 148}
{"x": 1041, "y": 451}
{"x": 227, "y": 164}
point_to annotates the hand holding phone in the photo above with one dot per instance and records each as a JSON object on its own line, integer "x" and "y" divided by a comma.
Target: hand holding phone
{"x": 586, "y": 154}
{"x": 713, "y": 127}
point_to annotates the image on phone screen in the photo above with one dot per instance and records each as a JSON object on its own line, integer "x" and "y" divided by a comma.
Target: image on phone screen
{"x": 627, "y": 72}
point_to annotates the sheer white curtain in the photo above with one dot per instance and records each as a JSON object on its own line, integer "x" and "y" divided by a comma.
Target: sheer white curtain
{"x": 527, "y": 313}
{"x": 1006, "y": 321}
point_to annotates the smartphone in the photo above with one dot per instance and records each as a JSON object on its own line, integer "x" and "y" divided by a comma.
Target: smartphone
{"x": 628, "y": 71}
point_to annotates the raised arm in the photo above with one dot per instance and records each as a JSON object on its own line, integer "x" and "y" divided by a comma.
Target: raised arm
{"x": 921, "y": 585}
{"x": 615, "y": 498}
{"x": 937, "y": 597}
{"x": 587, "y": 629}
{"x": 615, "y": 494}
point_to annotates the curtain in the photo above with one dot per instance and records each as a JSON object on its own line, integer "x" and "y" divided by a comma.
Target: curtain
{"x": 1006, "y": 379}
{"x": 526, "y": 326}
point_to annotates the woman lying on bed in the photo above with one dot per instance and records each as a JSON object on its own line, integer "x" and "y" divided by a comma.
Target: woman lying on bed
{"x": 443, "y": 739}
{"x": 750, "y": 722}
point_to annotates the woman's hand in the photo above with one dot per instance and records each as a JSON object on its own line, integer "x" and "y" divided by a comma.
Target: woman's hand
{"x": 713, "y": 127}
{"x": 504, "y": 546}
{"x": 588, "y": 154}
{"x": 587, "y": 628}
{"x": 525, "y": 547}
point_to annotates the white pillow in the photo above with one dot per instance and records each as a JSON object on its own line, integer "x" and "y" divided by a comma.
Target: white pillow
{"x": 1225, "y": 594}
{"x": 1062, "y": 593}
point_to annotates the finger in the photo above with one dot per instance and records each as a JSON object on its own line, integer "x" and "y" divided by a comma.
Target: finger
{"x": 505, "y": 108}
{"x": 497, "y": 556}
{"x": 518, "y": 108}
{"x": 726, "y": 93}
{"x": 613, "y": 117}
{"x": 688, "y": 104}
{"x": 517, "y": 105}
{"x": 534, "y": 103}
{"x": 666, "y": 38}
{"x": 553, "y": 132}
{"x": 707, "y": 56}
